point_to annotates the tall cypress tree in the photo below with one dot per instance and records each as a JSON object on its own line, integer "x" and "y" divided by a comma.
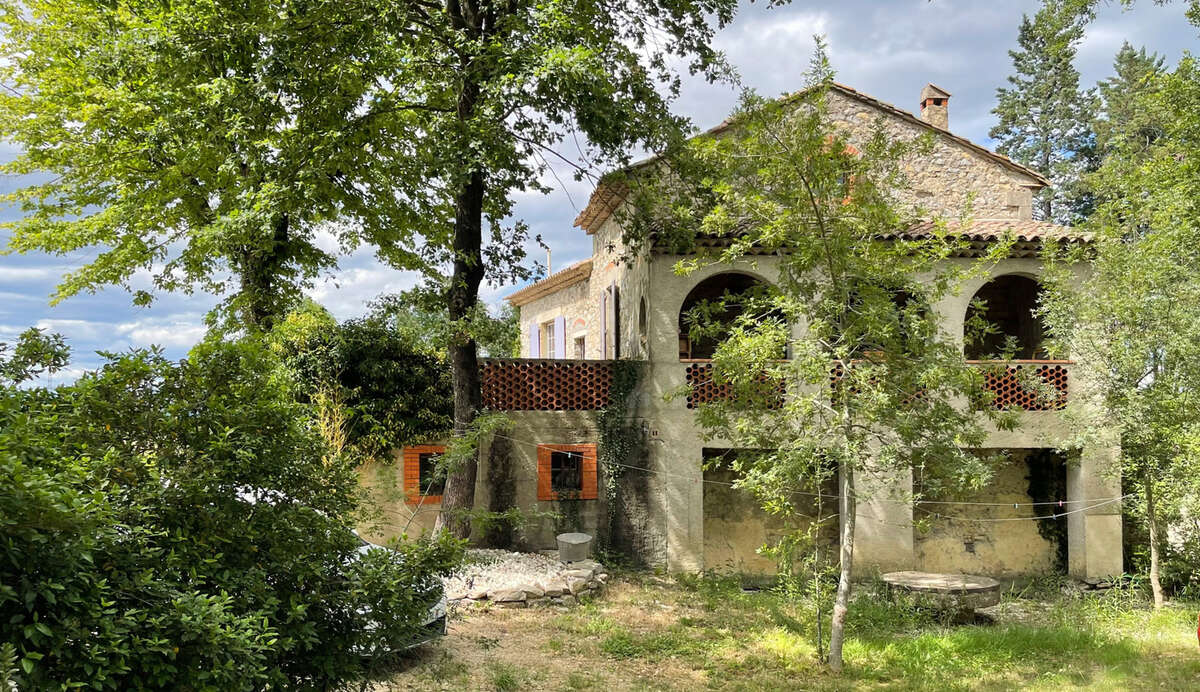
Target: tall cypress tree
{"x": 1045, "y": 118}
{"x": 1135, "y": 74}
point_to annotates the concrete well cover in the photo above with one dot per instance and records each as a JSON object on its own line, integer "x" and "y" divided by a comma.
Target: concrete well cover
{"x": 931, "y": 582}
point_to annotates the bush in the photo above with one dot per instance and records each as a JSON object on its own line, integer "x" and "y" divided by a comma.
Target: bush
{"x": 180, "y": 525}
{"x": 389, "y": 389}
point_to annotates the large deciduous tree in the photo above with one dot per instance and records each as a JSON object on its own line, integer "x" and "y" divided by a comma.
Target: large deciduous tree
{"x": 200, "y": 140}
{"x": 1136, "y": 317}
{"x": 782, "y": 181}
{"x": 206, "y": 143}
{"x": 1044, "y": 116}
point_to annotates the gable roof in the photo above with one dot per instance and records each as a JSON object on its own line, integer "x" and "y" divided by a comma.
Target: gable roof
{"x": 607, "y": 196}
{"x": 576, "y": 273}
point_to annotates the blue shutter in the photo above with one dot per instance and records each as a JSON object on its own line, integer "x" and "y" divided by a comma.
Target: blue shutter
{"x": 534, "y": 344}
{"x": 560, "y": 337}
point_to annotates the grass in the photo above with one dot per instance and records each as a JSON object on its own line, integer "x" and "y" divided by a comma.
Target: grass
{"x": 656, "y": 633}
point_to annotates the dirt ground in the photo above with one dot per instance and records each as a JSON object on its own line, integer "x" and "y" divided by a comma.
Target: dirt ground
{"x": 652, "y": 633}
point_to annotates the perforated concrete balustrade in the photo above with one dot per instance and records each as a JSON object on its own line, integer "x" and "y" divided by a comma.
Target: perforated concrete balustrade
{"x": 1005, "y": 382}
{"x": 545, "y": 385}
{"x": 703, "y": 388}
{"x": 576, "y": 385}
{"x": 1008, "y": 383}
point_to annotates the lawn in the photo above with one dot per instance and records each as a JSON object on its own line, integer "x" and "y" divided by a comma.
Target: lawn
{"x": 652, "y": 632}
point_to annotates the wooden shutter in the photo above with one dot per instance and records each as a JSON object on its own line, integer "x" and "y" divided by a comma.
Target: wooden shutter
{"x": 412, "y": 474}
{"x": 591, "y": 480}
{"x": 535, "y": 347}
{"x": 560, "y": 337}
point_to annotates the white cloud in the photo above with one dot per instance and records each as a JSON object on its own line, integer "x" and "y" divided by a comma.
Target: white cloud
{"x": 11, "y": 275}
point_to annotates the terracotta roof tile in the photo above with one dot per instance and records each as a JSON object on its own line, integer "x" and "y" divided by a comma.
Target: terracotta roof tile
{"x": 995, "y": 229}
{"x": 580, "y": 271}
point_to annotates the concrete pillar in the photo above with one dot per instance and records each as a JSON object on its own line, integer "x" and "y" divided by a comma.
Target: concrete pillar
{"x": 1094, "y": 536}
{"x": 676, "y": 455}
{"x": 883, "y": 535}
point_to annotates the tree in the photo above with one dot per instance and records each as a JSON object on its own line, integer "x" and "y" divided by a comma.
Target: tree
{"x": 1122, "y": 115}
{"x": 420, "y": 314}
{"x": 509, "y": 81}
{"x": 206, "y": 144}
{"x": 375, "y": 387}
{"x": 1044, "y": 117}
{"x": 227, "y": 133}
{"x": 181, "y": 526}
{"x": 1135, "y": 318}
{"x": 784, "y": 182}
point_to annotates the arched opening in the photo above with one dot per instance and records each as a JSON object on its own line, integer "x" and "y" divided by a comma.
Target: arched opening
{"x": 1007, "y": 305}
{"x": 721, "y": 296}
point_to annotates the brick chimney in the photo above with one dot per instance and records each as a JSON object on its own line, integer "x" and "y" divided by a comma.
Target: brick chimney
{"x": 935, "y": 106}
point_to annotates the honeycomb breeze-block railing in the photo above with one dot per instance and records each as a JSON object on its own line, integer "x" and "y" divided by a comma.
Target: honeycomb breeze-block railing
{"x": 1004, "y": 381}
{"x": 528, "y": 384}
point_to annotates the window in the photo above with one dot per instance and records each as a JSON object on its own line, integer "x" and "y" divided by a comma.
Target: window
{"x": 580, "y": 352}
{"x": 421, "y": 486}
{"x": 429, "y": 482}
{"x": 548, "y": 340}
{"x": 567, "y": 472}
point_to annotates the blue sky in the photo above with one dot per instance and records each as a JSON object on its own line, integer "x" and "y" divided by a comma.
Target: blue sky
{"x": 887, "y": 48}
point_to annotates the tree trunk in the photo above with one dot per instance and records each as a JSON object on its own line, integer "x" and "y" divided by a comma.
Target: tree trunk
{"x": 1152, "y": 522}
{"x": 463, "y": 295}
{"x": 841, "y": 604}
{"x": 259, "y": 267}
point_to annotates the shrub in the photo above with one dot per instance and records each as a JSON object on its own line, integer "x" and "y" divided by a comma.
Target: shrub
{"x": 180, "y": 525}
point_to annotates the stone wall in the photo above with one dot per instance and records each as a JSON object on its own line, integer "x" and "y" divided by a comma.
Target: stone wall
{"x": 949, "y": 179}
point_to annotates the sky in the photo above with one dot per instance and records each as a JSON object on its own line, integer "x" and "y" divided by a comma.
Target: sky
{"x": 888, "y": 49}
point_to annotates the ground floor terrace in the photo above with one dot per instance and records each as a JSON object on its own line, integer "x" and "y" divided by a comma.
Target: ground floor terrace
{"x": 672, "y": 505}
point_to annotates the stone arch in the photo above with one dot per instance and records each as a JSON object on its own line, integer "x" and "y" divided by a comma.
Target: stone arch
{"x": 727, "y": 285}
{"x": 1010, "y": 306}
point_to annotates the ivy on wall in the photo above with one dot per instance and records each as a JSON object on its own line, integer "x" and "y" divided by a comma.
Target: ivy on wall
{"x": 621, "y": 438}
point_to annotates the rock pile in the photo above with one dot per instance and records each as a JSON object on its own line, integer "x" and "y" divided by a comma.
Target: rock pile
{"x": 519, "y": 580}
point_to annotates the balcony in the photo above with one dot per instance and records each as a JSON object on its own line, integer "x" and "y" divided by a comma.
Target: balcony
{"x": 1004, "y": 380}
{"x": 529, "y": 384}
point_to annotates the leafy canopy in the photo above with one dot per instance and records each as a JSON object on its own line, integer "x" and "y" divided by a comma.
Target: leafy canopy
{"x": 784, "y": 189}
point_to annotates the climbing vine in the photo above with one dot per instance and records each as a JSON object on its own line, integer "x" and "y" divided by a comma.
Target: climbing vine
{"x": 621, "y": 438}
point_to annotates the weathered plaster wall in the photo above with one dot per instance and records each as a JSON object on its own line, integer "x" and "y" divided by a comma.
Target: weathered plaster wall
{"x": 383, "y": 484}
{"x": 1000, "y": 549}
{"x": 574, "y": 303}
{"x": 531, "y": 428}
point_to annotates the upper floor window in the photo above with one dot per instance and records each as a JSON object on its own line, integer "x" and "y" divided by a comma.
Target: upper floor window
{"x": 713, "y": 306}
{"x": 1002, "y": 320}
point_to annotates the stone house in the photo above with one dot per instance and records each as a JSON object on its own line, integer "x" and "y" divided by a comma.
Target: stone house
{"x": 672, "y": 511}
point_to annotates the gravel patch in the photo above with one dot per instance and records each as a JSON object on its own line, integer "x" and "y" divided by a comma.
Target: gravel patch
{"x": 518, "y": 579}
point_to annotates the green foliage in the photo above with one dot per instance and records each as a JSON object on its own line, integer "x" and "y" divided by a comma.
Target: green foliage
{"x": 181, "y": 526}
{"x": 621, "y": 440}
{"x": 420, "y": 316}
{"x": 34, "y": 354}
{"x": 1135, "y": 72}
{"x": 209, "y": 143}
{"x": 784, "y": 181}
{"x": 391, "y": 387}
{"x": 1044, "y": 117}
{"x": 1134, "y": 317}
